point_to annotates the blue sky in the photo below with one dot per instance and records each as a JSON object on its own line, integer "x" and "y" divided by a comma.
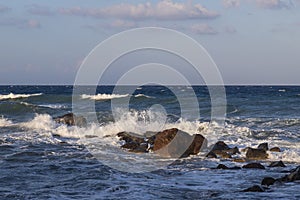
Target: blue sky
{"x": 251, "y": 41}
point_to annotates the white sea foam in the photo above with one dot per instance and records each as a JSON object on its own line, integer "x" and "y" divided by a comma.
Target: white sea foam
{"x": 143, "y": 95}
{"x": 103, "y": 96}
{"x": 17, "y": 96}
{"x": 104, "y": 136}
{"x": 54, "y": 106}
{"x": 5, "y": 122}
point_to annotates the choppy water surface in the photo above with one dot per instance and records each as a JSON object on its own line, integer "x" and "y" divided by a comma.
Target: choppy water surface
{"x": 41, "y": 159}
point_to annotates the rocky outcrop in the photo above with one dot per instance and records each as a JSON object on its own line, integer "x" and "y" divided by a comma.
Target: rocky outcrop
{"x": 71, "y": 119}
{"x": 263, "y": 146}
{"x": 222, "y": 150}
{"x": 167, "y": 143}
{"x": 256, "y": 154}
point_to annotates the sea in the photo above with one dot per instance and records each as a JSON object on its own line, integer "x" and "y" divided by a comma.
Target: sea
{"x": 42, "y": 159}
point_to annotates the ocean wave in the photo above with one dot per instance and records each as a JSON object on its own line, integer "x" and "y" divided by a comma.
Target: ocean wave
{"x": 17, "y": 96}
{"x": 143, "y": 95}
{"x": 140, "y": 122}
{"x": 53, "y": 106}
{"x": 103, "y": 96}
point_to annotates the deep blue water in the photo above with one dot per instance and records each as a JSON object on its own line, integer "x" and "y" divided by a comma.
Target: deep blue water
{"x": 40, "y": 159}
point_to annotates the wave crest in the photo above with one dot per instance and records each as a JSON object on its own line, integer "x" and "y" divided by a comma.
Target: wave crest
{"x": 103, "y": 96}
{"x": 17, "y": 96}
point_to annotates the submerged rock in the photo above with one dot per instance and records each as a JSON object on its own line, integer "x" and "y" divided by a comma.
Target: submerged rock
{"x": 268, "y": 181}
{"x": 277, "y": 164}
{"x": 71, "y": 119}
{"x": 255, "y": 188}
{"x": 254, "y": 166}
{"x": 222, "y": 166}
{"x": 256, "y": 154}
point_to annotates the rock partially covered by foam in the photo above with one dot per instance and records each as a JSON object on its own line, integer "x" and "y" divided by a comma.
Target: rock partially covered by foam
{"x": 168, "y": 143}
{"x": 71, "y": 119}
{"x": 256, "y": 154}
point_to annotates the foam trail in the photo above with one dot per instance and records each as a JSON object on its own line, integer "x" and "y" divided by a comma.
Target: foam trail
{"x": 17, "y": 96}
{"x": 103, "y": 96}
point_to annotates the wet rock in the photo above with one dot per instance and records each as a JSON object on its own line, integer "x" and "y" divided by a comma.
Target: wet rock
{"x": 293, "y": 176}
{"x": 221, "y": 149}
{"x": 263, "y": 146}
{"x": 268, "y": 181}
{"x": 71, "y": 119}
{"x": 254, "y": 166}
{"x": 255, "y": 188}
{"x": 220, "y": 145}
{"x": 221, "y": 166}
{"x": 277, "y": 164}
{"x": 174, "y": 143}
{"x": 275, "y": 149}
{"x": 256, "y": 154}
{"x": 211, "y": 155}
{"x": 133, "y": 142}
{"x": 168, "y": 143}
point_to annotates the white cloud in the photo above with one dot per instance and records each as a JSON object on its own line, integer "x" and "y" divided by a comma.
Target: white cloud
{"x": 231, "y": 3}
{"x": 163, "y": 10}
{"x": 203, "y": 29}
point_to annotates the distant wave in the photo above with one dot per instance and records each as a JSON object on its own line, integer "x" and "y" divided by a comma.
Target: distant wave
{"x": 17, "y": 96}
{"x": 104, "y": 96}
{"x": 142, "y": 95}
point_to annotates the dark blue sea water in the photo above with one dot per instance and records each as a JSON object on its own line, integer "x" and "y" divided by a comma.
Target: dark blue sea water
{"x": 40, "y": 159}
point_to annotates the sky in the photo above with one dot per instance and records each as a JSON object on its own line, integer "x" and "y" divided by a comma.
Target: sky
{"x": 253, "y": 42}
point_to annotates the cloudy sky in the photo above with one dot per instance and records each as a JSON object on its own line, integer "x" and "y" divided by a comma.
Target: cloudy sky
{"x": 251, "y": 41}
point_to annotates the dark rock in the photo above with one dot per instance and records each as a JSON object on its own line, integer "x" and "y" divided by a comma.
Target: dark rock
{"x": 293, "y": 176}
{"x": 221, "y": 166}
{"x": 268, "y": 181}
{"x": 256, "y": 154}
{"x": 277, "y": 164}
{"x": 71, "y": 119}
{"x": 211, "y": 155}
{"x": 220, "y": 145}
{"x": 130, "y": 137}
{"x": 275, "y": 149}
{"x": 263, "y": 146}
{"x": 133, "y": 142}
{"x": 255, "y": 188}
{"x": 174, "y": 143}
{"x": 254, "y": 166}
{"x": 168, "y": 143}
